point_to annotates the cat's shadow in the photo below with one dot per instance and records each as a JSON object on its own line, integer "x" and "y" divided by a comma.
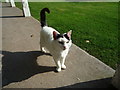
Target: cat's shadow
{"x": 18, "y": 66}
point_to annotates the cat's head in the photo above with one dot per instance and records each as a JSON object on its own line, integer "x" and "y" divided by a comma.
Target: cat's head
{"x": 63, "y": 40}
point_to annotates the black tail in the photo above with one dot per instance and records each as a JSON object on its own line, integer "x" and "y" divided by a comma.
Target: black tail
{"x": 43, "y": 16}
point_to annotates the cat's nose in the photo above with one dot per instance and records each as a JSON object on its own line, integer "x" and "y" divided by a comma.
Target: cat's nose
{"x": 64, "y": 47}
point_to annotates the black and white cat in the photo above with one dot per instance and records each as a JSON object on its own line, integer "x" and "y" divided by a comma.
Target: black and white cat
{"x": 57, "y": 44}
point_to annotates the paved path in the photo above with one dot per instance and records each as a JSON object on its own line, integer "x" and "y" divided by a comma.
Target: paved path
{"x": 25, "y": 66}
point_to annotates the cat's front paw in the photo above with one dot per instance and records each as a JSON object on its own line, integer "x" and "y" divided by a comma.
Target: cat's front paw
{"x": 63, "y": 67}
{"x": 58, "y": 69}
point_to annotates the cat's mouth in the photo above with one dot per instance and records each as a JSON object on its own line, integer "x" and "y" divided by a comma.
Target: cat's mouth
{"x": 64, "y": 47}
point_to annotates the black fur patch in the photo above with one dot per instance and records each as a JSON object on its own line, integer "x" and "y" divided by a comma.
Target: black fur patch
{"x": 66, "y": 36}
{"x": 59, "y": 36}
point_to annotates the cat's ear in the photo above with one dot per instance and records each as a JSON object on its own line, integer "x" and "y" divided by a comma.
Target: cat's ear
{"x": 69, "y": 33}
{"x": 54, "y": 35}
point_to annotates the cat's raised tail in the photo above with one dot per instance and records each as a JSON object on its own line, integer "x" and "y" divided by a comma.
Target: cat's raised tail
{"x": 43, "y": 16}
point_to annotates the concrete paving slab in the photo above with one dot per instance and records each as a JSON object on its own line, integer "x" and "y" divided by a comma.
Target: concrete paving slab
{"x": 25, "y": 66}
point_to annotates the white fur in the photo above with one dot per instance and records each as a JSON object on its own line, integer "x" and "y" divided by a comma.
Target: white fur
{"x": 56, "y": 49}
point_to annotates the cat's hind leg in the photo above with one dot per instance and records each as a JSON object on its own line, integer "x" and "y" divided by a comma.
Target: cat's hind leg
{"x": 43, "y": 49}
{"x": 42, "y": 46}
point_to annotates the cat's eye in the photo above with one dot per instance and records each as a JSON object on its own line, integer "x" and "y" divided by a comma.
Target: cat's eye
{"x": 67, "y": 42}
{"x": 61, "y": 42}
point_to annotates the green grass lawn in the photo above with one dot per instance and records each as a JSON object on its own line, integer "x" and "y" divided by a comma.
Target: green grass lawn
{"x": 93, "y": 21}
